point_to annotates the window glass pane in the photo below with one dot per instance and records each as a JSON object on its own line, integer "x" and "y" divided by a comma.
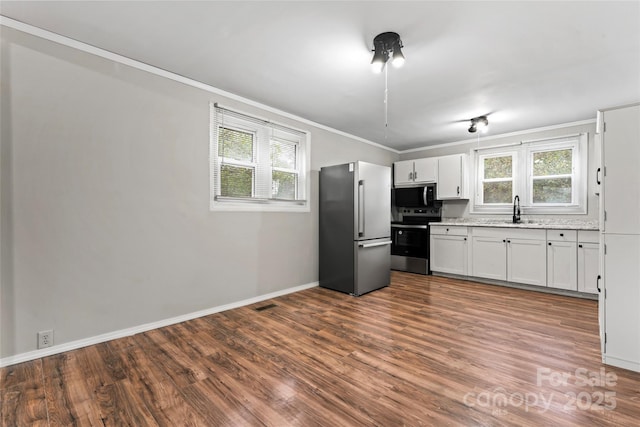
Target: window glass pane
{"x": 235, "y": 144}
{"x": 498, "y": 167}
{"x": 552, "y": 163}
{"x": 497, "y": 192}
{"x": 235, "y": 181}
{"x": 283, "y": 154}
{"x": 552, "y": 190}
{"x": 283, "y": 185}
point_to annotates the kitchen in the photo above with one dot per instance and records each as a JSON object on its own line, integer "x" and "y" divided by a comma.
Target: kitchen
{"x": 105, "y": 169}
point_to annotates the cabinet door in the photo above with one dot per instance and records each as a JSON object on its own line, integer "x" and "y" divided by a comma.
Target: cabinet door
{"x": 452, "y": 177}
{"x": 526, "y": 261}
{"x": 425, "y": 170}
{"x": 449, "y": 254}
{"x": 488, "y": 257}
{"x": 562, "y": 269}
{"x": 588, "y": 267}
{"x": 621, "y": 314}
{"x": 403, "y": 172}
{"x": 621, "y": 156}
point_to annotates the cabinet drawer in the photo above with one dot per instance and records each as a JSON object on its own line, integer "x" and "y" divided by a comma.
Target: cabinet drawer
{"x": 588, "y": 236}
{"x": 504, "y": 233}
{"x": 562, "y": 235}
{"x": 450, "y": 230}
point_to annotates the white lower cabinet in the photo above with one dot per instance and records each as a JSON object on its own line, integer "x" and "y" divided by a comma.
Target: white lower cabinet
{"x": 621, "y": 298}
{"x": 515, "y": 255}
{"x": 449, "y": 249}
{"x": 489, "y": 259}
{"x": 525, "y": 261}
{"x": 562, "y": 259}
{"x": 588, "y": 261}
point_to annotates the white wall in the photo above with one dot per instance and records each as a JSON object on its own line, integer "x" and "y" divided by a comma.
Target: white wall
{"x": 460, "y": 208}
{"x": 105, "y": 200}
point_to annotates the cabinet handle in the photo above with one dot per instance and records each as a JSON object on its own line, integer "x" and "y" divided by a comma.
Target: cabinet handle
{"x": 504, "y": 241}
{"x": 458, "y": 190}
{"x": 415, "y": 175}
{"x": 410, "y": 176}
{"x": 561, "y": 234}
{"x": 465, "y": 239}
{"x": 549, "y": 243}
{"x": 508, "y": 241}
{"x": 579, "y": 246}
{"x": 598, "y": 177}
{"x": 447, "y": 230}
{"x": 598, "y": 283}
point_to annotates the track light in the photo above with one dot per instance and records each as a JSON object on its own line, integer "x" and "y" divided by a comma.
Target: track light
{"x": 479, "y": 123}
{"x": 387, "y": 45}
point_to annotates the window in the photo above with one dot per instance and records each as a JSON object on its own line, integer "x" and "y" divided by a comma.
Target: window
{"x": 236, "y": 150}
{"x": 496, "y": 177}
{"x": 284, "y": 170}
{"x": 551, "y": 179}
{"x": 256, "y": 164}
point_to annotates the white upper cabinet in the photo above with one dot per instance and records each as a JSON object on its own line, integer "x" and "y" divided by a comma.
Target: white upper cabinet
{"x": 425, "y": 170}
{"x": 453, "y": 177}
{"x": 403, "y": 173}
{"x": 418, "y": 171}
{"x": 620, "y": 133}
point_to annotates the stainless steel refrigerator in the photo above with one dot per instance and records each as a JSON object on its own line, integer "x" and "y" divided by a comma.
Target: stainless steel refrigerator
{"x": 355, "y": 227}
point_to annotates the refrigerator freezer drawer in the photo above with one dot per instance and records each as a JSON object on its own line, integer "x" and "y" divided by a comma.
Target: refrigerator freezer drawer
{"x": 373, "y": 265}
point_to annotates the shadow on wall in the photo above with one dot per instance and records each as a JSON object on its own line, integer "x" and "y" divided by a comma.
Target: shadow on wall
{"x": 7, "y": 313}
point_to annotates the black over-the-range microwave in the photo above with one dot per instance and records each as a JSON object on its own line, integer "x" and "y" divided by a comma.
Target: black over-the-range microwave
{"x": 415, "y": 197}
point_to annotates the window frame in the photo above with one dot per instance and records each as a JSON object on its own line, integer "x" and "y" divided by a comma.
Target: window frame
{"x": 253, "y": 164}
{"x": 264, "y": 132}
{"x": 523, "y": 176}
{"x": 294, "y": 171}
{"x": 483, "y": 180}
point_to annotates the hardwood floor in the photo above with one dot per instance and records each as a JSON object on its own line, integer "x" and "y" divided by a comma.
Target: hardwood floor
{"x": 426, "y": 351}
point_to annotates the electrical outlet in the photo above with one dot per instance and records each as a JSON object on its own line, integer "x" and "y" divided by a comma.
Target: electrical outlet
{"x": 45, "y": 339}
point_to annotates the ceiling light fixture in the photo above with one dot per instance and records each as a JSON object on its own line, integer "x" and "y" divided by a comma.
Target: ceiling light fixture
{"x": 386, "y": 45}
{"x": 479, "y": 123}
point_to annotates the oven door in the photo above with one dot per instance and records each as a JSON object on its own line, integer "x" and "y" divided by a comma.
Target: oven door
{"x": 410, "y": 240}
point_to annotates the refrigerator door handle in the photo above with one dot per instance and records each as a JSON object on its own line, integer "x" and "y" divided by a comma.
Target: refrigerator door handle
{"x": 373, "y": 245}
{"x": 361, "y": 207}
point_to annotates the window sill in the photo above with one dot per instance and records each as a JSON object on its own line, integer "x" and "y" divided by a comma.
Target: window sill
{"x": 259, "y": 206}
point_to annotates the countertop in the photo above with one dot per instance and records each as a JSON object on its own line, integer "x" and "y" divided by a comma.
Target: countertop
{"x": 562, "y": 224}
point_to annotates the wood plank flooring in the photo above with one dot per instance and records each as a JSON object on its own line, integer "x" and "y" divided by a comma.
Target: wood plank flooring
{"x": 426, "y": 351}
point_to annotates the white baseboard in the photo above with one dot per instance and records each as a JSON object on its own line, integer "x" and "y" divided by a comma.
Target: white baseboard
{"x": 61, "y": 348}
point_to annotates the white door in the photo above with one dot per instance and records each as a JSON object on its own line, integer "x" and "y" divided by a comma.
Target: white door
{"x": 621, "y": 155}
{"x": 562, "y": 268}
{"x": 449, "y": 177}
{"x": 488, "y": 257}
{"x": 526, "y": 261}
{"x": 403, "y": 172}
{"x": 449, "y": 254}
{"x": 621, "y": 314}
{"x": 588, "y": 267}
{"x": 425, "y": 170}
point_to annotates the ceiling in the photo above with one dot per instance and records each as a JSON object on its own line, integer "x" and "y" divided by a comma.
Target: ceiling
{"x": 525, "y": 64}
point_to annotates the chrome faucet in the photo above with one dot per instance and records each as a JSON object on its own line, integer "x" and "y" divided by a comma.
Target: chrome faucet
{"x": 516, "y": 209}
